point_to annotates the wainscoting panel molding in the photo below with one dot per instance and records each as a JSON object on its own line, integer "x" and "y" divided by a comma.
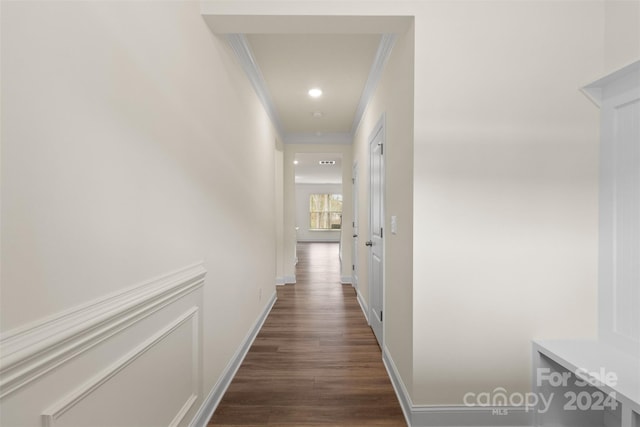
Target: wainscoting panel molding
{"x": 32, "y": 351}
{"x": 213, "y": 399}
{"x": 55, "y": 415}
{"x": 80, "y": 352}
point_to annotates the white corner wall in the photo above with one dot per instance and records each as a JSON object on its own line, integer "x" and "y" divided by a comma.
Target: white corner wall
{"x": 133, "y": 148}
{"x": 504, "y": 181}
{"x": 505, "y": 197}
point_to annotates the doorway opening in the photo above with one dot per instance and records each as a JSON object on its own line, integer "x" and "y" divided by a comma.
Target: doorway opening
{"x": 318, "y": 197}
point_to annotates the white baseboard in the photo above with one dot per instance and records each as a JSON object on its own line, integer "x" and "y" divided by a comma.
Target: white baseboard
{"x": 346, "y": 280}
{"x": 215, "y": 395}
{"x": 280, "y": 281}
{"x": 398, "y": 385}
{"x": 455, "y": 416}
{"x": 289, "y": 279}
{"x": 452, "y": 416}
{"x": 363, "y": 305}
{"x": 85, "y": 395}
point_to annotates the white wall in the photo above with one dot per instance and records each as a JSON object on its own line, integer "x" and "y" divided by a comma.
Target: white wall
{"x": 622, "y": 34}
{"x": 504, "y": 182}
{"x": 303, "y": 191}
{"x": 393, "y": 98}
{"x": 132, "y": 146}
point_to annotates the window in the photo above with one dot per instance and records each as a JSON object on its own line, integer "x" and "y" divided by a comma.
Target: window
{"x": 325, "y": 211}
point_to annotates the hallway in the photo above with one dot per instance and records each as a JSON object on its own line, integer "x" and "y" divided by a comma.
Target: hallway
{"x": 315, "y": 360}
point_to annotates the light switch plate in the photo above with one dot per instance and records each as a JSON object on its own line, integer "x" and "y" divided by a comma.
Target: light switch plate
{"x": 394, "y": 224}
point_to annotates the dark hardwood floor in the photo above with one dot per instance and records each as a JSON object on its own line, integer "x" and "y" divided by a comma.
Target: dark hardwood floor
{"x": 315, "y": 361}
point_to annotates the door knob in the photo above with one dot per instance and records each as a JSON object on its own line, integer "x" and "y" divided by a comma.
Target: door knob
{"x": 355, "y": 235}
{"x": 369, "y": 243}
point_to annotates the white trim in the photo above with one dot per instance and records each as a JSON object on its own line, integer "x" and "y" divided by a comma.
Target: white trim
{"x": 291, "y": 280}
{"x": 341, "y": 138}
{"x": 280, "y": 281}
{"x": 212, "y": 401}
{"x": 183, "y": 411}
{"x": 29, "y": 352}
{"x": 387, "y": 41}
{"x": 594, "y": 91}
{"x": 240, "y": 46}
{"x": 398, "y": 385}
{"x": 52, "y": 414}
{"x": 363, "y": 305}
{"x": 451, "y": 415}
{"x": 617, "y": 95}
{"x": 346, "y": 280}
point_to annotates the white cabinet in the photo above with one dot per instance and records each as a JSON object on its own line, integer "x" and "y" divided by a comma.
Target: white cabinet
{"x": 618, "y": 96}
{"x": 586, "y": 384}
{"x": 597, "y": 383}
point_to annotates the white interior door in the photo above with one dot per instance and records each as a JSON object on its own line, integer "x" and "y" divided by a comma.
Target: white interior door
{"x": 354, "y": 246}
{"x": 376, "y": 233}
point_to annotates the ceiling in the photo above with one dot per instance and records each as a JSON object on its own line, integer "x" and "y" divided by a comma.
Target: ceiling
{"x": 283, "y": 68}
{"x": 309, "y": 170}
{"x": 291, "y": 64}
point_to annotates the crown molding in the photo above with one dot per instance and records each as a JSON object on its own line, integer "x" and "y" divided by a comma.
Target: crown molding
{"x": 387, "y": 41}
{"x": 240, "y": 46}
{"x": 619, "y": 80}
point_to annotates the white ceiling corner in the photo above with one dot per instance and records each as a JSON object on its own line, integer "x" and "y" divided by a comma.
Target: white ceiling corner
{"x": 358, "y": 70}
{"x": 241, "y": 48}
{"x": 382, "y": 55}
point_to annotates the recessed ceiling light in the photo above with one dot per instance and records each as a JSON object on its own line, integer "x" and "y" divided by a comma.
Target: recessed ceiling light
{"x": 315, "y": 92}
{"x": 327, "y": 162}
{"x": 317, "y": 114}
{"x": 295, "y": 162}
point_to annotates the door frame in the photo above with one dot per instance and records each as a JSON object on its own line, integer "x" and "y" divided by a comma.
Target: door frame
{"x": 378, "y": 129}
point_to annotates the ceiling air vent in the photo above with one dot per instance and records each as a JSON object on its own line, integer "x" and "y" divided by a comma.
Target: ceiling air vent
{"x": 327, "y": 162}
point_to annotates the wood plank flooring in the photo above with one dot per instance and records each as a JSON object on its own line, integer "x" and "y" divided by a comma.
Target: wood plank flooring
{"x": 315, "y": 361}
